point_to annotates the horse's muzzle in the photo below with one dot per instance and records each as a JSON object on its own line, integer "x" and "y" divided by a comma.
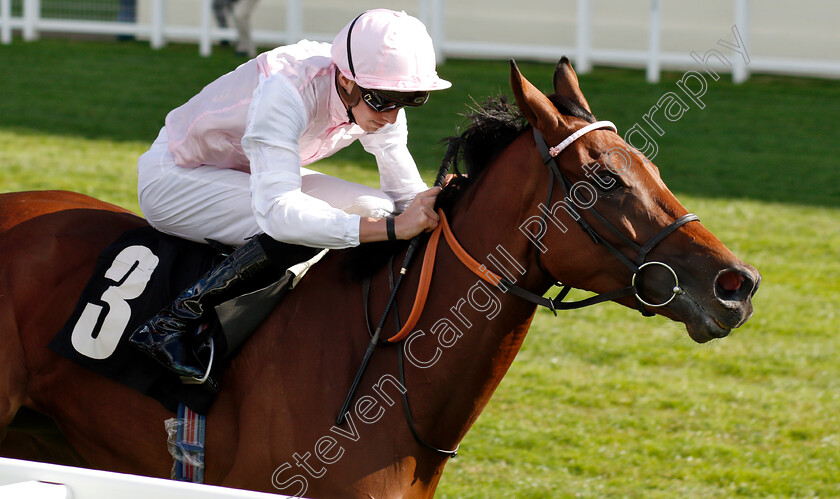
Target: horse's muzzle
{"x": 727, "y": 307}
{"x": 736, "y": 285}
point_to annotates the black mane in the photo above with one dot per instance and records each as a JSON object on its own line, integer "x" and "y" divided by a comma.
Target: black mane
{"x": 493, "y": 125}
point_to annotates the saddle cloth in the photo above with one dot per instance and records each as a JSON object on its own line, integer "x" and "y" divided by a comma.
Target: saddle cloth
{"x": 134, "y": 278}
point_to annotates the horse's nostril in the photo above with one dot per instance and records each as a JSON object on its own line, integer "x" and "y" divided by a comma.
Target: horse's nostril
{"x": 730, "y": 281}
{"x": 733, "y": 285}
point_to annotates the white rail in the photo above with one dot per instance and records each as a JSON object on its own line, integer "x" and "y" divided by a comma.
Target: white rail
{"x": 433, "y": 12}
{"x": 29, "y": 480}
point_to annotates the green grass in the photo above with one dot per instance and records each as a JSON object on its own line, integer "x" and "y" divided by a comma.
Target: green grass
{"x": 602, "y": 403}
{"x": 599, "y": 402}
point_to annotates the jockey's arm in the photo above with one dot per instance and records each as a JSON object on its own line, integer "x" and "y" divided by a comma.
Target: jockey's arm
{"x": 418, "y": 217}
{"x": 287, "y": 214}
{"x": 400, "y": 180}
{"x": 276, "y": 121}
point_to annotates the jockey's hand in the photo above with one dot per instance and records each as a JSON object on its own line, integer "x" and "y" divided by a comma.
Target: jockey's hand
{"x": 420, "y": 216}
{"x": 448, "y": 178}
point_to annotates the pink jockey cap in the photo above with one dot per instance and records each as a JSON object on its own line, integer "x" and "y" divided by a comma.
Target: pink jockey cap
{"x": 388, "y": 51}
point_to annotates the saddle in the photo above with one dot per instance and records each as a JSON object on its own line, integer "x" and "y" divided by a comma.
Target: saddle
{"x": 134, "y": 278}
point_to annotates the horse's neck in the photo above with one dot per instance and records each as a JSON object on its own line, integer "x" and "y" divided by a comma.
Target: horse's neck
{"x": 489, "y": 325}
{"x": 455, "y": 357}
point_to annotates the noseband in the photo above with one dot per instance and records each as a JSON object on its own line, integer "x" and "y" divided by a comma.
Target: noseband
{"x": 636, "y": 267}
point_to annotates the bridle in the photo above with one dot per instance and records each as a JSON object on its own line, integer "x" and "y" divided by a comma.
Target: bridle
{"x": 549, "y": 156}
{"x": 554, "y": 304}
{"x": 444, "y": 230}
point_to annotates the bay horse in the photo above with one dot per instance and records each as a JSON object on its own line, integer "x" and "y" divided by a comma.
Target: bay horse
{"x": 520, "y": 222}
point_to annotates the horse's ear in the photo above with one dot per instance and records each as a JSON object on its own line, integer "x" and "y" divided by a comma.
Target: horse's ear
{"x": 566, "y": 83}
{"x": 535, "y": 106}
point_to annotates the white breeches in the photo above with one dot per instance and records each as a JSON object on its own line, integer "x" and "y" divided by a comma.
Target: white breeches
{"x": 215, "y": 203}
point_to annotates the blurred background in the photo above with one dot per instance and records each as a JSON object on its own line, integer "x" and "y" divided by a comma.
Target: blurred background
{"x": 781, "y": 37}
{"x": 599, "y": 402}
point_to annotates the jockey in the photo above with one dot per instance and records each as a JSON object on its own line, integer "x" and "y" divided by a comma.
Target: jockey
{"x": 229, "y": 165}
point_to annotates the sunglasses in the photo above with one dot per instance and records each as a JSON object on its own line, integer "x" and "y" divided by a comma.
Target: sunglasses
{"x": 383, "y": 100}
{"x": 386, "y": 100}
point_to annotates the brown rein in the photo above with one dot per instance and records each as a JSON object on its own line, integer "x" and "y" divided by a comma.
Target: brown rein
{"x": 505, "y": 285}
{"x": 428, "y": 268}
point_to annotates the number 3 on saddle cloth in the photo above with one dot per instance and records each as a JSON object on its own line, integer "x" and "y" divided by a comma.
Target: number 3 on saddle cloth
{"x": 136, "y": 277}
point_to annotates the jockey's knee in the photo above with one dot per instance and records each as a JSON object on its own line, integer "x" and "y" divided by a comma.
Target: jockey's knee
{"x": 370, "y": 206}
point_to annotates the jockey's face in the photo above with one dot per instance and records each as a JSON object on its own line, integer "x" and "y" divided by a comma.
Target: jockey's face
{"x": 368, "y": 119}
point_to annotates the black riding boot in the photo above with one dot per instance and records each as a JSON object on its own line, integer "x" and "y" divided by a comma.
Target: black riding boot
{"x": 171, "y": 336}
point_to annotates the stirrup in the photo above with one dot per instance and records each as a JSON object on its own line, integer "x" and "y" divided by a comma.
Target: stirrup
{"x": 195, "y": 380}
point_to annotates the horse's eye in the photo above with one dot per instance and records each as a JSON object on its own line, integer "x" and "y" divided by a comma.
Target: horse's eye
{"x": 608, "y": 181}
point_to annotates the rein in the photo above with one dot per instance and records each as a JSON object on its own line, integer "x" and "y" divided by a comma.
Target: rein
{"x": 504, "y": 285}
{"x": 401, "y": 366}
{"x": 556, "y": 303}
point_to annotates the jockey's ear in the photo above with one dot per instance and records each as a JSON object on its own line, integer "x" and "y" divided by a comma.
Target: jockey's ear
{"x": 346, "y": 83}
{"x": 537, "y": 108}
{"x": 566, "y": 83}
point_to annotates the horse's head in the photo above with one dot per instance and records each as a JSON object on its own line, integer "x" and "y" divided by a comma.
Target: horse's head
{"x": 639, "y": 233}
